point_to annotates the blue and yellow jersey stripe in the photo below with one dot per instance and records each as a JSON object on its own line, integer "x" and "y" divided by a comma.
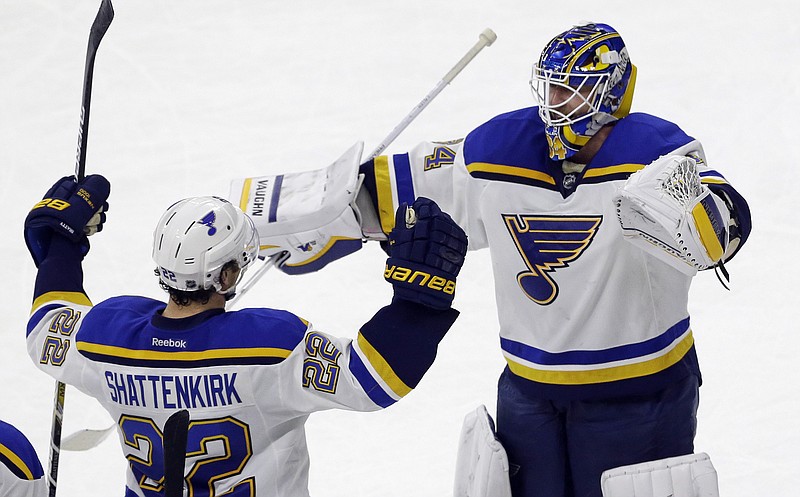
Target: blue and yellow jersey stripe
{"x": 18, "y": 455}
{"x": 375, "y": 375}
{"x": 51, "y": 301}
{"x": 711, "y": 177}
{"x": 16, "y": 464}
{"x": 512, "y": 174}
{"x": 394, "y": 185}
{"x": 131, "y": 331}
{"x": 588, "y": 367}
{"x": 182, "y": 359}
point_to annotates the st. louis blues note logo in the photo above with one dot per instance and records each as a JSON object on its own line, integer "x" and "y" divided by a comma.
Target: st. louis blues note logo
{"x": 547, "y": 243}
{"x": 209, "y": 220}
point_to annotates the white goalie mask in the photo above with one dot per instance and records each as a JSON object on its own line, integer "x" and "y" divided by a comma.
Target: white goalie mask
{"x": 196, "y": 237}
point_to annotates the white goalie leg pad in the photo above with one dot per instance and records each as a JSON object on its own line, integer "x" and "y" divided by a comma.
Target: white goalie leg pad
{"x": 691, "y": 475}
{"x": 310, "y": 215}
{"x": 482, "y": 464}
{"x": 668, "y": 213}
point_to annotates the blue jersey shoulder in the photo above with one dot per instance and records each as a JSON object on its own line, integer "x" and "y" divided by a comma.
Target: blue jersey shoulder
{"x": 130, "y": 330}
{"x": 515, "y": 139}
{"x": 639, "y": 139}
{"x": 17, "y": 454}
{"x": 513, "y": 147}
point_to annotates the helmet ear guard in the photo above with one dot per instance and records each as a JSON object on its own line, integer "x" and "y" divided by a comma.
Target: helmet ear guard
{"x": 196, "y": 237}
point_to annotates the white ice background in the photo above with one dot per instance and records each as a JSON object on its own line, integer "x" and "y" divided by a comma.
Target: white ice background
{"x": 191, "y": 94}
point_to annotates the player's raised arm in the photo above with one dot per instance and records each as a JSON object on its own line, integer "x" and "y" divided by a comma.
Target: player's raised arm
{"x": 56, "y": 233}
{"x": 395, "y": 348}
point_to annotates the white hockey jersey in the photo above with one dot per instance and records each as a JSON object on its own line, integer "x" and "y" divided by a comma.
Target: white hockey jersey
{"x": 249, "y": 379}
{"x": 583, "y": 313}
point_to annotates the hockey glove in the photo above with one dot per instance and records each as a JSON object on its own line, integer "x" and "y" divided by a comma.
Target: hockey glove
{"x": 69, "y": 209}
{"x": 666, "y": 211}
{"x": 426, "y": 252}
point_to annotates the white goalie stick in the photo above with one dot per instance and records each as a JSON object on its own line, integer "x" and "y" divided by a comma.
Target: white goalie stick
{"x": 89, "y": 438}
{"x": 99, "y": 27}
{"x": 485, "y": 39}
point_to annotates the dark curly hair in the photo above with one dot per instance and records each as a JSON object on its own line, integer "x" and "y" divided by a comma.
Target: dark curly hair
{"x": 185, "y": 297}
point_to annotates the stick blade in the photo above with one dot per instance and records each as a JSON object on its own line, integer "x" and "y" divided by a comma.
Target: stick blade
{"x": 103, "y": 19}
{"x": 86, "y": 439}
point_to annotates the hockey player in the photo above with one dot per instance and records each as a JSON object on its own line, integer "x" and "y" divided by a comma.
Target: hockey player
{"x": 21, "y": 473}
{"x": 249, "y": 378}
{"x": 596, "y": 220}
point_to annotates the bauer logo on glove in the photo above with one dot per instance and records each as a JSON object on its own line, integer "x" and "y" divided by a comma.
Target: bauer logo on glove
{"x": 427, "y": 250}
{"x": 665, "y": 210}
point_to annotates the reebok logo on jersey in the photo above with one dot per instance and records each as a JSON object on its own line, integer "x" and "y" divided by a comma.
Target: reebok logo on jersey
{"x": 209, "y": 220}
{"x": 177, "y": 344}
{"x": 547, "y": 243}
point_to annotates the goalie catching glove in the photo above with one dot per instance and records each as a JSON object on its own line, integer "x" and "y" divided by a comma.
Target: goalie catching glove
{"x": 71, "y": 209}
{"x": 426, "y": 252}
{"x": 665, "y": 210}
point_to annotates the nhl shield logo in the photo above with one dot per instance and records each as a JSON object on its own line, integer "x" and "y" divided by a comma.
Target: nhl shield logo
{"x": 547, "y": 243}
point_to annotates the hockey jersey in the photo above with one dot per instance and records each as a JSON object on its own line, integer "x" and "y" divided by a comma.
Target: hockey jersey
{"x": 21, "y": 473}
{"x": 583, "y": 313}
{"x": 249, "y": 378}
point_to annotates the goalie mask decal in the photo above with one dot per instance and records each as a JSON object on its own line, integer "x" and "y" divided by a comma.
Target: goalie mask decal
{"x": 547, "y": 243}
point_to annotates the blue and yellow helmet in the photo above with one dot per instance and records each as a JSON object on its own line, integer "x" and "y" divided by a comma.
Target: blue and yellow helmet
{"x": 583, "y": 80}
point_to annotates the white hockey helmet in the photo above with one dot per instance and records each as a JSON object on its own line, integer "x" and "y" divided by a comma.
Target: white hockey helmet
{"x": 196, "y": 237}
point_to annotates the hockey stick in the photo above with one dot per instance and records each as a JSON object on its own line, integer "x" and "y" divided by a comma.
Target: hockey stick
{"x": 99, "y": 27}
{"x": 252, "y": 280}
{"x": 175, "y": 434}
{"x": 86, "y": 439}
{"x": 485, "y": 39}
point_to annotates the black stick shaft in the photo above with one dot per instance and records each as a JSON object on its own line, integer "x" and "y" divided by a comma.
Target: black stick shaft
{"x": 176, "y": 431}
{"x": 55, "y": 437}
{"x": 99, "y": 27}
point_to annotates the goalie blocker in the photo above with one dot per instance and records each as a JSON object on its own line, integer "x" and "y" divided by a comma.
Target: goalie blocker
{"x": 310, "y": 217}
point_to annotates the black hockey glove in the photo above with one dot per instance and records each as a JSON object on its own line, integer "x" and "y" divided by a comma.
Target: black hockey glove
{"x": 426, "y": 252}
{"x": 69, "y": 209}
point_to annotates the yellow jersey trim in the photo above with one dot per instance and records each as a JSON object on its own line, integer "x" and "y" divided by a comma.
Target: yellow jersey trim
{"x": 383, "y": 185}
{"x": 383, "y": 368}
{"x": 15, "y": 459}
{"x": 522, "y": 172}
{"x": 151, "y": 355}
{"x": 77, "y": 298}
{"x": 603, "y": 375}
{"x": 606, "y": 171}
